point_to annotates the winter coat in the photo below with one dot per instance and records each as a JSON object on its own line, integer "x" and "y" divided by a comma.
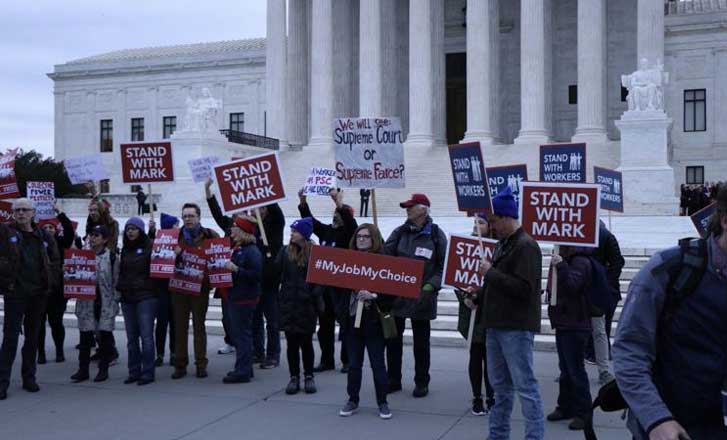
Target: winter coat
{"x": 10, "y": 242}
{"x": 298, "y": 300}
{"x": 572, "y": 311}
{"x": 246, "y": 281}
{"x": 608, "y": 253}
{"x": 134, "y": 282}
{"x": 429, "y": 244}
{"x": 100, "y": 314}
{"x": 512, "y": 285}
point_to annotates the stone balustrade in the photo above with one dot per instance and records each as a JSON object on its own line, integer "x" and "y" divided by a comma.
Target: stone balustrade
{"x": 685, "y": 7}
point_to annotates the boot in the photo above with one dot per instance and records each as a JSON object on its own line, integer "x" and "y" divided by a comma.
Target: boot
{"x": 80, "y": 375}
{"x": 84, "y": 360}
{"x": 103, "y": 372}
{"x": 60, "y": 357}
{"x": 41, "y": 357}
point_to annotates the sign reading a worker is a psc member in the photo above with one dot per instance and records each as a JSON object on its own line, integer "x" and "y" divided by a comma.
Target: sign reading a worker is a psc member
{"x": 611, "y": 182}
{"x": 250, "y": 183}
{"x": 565, "y": 163}
{"x": 561, "y": 213}
{"x": 470, "y": 178}
{"x": 147, "y": 162}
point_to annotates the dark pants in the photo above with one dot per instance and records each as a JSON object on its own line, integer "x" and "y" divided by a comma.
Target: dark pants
{"x": 139, "y": 208}
{"x": 241, "y": 335}
{"x": 139, "y": 319}
{"x": 25, "y": 312}
{"x": 54, "y": 311}
{"x": 183, "y": 305}
{"x": 105, "y": 349}
{"x": 364, "y": 207}
{"x": 226, "y": 322}
{"x": 574, "y": 397}
{"x": 478, "y": 371}
{"x": 327, "y": 333}
{"x": 421, "y": 330}
{"x": 300, "y": 343}
{"x": 369, "y": 337}
{"x": 267, "y": 308}
{"x": 165, "y": 319}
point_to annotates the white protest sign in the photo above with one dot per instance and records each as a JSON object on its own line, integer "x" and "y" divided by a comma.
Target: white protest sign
{"x": 85, "y": 169}
{"x": 43, "y": 194}
{"x": 201, "y": 168}
{"x": 320, "y": 181}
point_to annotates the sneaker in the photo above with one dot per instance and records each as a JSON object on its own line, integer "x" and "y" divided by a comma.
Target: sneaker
{"x": 478, "y": 407}
{"x": 577, "y": 424}
{"x": 293, "y": 386}
{"x": 31, "y": 386}
{"x": 235, "y": 379}
{"x": 605, "y": 377}
{"x": 420, "y": 391}
{"x": 344, "y": 369}
{"x": 179, "y": 373}
{"x": 557, "y": 415}
{"x": 323, "y": 367}
{"x": 269, "y": 364}
{"x": 310, "y": 385}
{"x": 384, "y": 411}
{"x": 227, "y": 349}
{"x": 348, "y": 409}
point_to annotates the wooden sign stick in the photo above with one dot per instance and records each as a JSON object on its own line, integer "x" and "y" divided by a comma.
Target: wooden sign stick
{"x": 262, "y": 231}
{"x": 373, "y": 207}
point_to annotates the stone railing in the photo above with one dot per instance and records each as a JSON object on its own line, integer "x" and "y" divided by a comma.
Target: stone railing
{"x": 685, "y": 7}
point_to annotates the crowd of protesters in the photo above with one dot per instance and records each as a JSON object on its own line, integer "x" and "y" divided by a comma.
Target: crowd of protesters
{"x": 270, "y": 294}
{"x": 693, "y": 198}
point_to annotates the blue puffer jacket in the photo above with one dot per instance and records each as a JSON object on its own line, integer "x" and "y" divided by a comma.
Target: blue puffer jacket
{"x": 246, "y": 281}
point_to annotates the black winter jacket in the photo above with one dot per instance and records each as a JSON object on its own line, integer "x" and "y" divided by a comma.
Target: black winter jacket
{"x": 134, "y": 282}
{"x": 10, "y": 242}
{"x": 298, "y": 300}
{"x": 608, "y": 253}
{"x": 572, "y": 311}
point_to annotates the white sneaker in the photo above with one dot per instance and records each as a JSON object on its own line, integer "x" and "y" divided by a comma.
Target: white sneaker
{"x": 227, "y": 349}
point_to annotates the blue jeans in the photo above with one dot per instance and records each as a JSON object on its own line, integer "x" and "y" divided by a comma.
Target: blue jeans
{"x": 369, "y": 337}
{"x": 574, "y": 397}
{"x": 139, "y": 319}
{"x": 268, "y": 308}
{"x": 510, "y": 367}
{"x": 241, "y": 336}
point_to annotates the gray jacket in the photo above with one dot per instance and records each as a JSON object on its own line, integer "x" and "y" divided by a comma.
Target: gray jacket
{"x": 106, "y": 278}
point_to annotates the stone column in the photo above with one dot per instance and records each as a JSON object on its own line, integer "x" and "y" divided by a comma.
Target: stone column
{"x": 439, "y": 62}
{"x": 421, "y": 75}
{"x": 92, "y": 127}
{"x": 153, "y": 126}
{"x": 275, "y": 70}
{"x": 479, "y": 61}
{"x": 371, "y": 86}
{"x": 59, "y": 143}
{"x": 298, "y": 73}
{"x": 591, "y": 72}
{"x": 533, "y": 72}
{"x": 322, "y": 74}
{"x": 650, "y": 31}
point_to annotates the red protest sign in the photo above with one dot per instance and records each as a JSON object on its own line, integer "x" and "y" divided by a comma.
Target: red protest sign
{"x": 250, "y": 183}
{"x": 463, "y": 258}
{"x": 8, "y": 181}
{"x": 162, "y": 253}
{"x": 189, "y": 274}
{"x": 6, "y": 212}
{"x": 79, "y": 274}
{"x": 218, "y": 252}
{"x": 147, "y": 162}
{"x": 561, "y": 213}
{"x": 362, "y": 270}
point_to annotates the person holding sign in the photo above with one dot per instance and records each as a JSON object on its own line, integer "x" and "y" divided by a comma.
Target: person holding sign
{"x": 165, "y": 313}
{"x": 139, "y": 301}
{"x": 246, "y": 266}
{"x": 99, "y": 215}
{"x": 369, "y": 335}
{"x": 99, "y": 314}
{"x": 337, "y": 234}
{"x": 511, "y": 317}
{"x": 298, "y": 304}
{"x": 418, "y": 238}
{"x": 25, "y": 279}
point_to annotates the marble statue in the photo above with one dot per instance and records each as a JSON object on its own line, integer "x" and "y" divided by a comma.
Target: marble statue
{"x": 201, "y": 114}
{"x": 646, "y": 87}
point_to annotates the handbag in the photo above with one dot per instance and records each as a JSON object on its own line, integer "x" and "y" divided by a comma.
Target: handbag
{"x": 388, "y": 325}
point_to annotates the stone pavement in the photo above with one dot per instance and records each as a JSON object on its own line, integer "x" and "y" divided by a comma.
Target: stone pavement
{"x": 193, "y": 408}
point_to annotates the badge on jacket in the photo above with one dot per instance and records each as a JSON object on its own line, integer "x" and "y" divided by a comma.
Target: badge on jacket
{"x": 139, "y": 251}
{"x": 13, "y": 239}
{"x": 423, "y": 252}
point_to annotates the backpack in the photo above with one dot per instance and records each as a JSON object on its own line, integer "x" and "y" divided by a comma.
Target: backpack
{"x": 600, "y": 294}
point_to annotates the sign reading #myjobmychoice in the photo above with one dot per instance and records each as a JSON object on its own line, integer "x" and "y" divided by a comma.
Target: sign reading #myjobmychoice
{"x": 565, "y": 163}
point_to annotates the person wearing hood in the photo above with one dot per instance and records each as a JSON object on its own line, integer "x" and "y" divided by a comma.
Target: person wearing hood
{"x": 139, "y": 301}
{"x": 421, "y": 239}
{"x": 571, "y": 319}
{"x": 165, "y": 313}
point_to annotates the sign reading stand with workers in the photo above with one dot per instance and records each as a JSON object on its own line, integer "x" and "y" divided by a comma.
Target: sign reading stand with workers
{"x": 470, "y": 178}
{"x": 147, "y": 162}
{"x": 79, "y": 274}
{"x": 463, "y": 257}
{"x": 565, "y": 163}
{"x": 701, "y": 218}
{"x": 250, "y": 183}
{"x": 561, "y": 214}
{"x": 612, "y": 190}
{"x": 500, "y": 178}
{"x": 378, "y": 273}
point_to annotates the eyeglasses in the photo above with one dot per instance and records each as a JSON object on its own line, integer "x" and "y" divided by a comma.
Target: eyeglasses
{"x": 362, "y": 237}
{"x": 23, "y": 209}
{"x": 190, "y": 216}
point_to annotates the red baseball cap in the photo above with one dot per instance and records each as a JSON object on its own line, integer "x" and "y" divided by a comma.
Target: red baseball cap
{"x": 416, "y": 199}
{"x": 245, "y": 225}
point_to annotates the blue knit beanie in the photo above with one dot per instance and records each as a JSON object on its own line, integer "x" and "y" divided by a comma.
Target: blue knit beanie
{"x": 136, "y": 222}
{"x": 168, "y": 221}
{"x": 504, "y": 204}
{"x": 303, "y": 226}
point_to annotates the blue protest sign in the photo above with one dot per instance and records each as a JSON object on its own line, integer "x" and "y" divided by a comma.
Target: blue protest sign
{"x": 470, "y": 177}
{"x": 564, "y": 163}
{"x": 501, "y": 177}
{"x": 701, "y": 218}
{"x": 611, "y": 183}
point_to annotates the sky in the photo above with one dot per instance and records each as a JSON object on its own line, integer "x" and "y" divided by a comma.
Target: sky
{"x": 36, "y": 35}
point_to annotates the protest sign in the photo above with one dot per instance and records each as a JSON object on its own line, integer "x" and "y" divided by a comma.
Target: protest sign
{"x": 84, "y": 169}
{"x": 320, "y": 182}
{"x": 500, "y": 178}
{"x": 250, "y": 183}
{"x": 162, "y": 253}
{"x": 470, "y": 178}
{"x": 43, "y": 194}
{"x": 369, "y": 152}
{"x": 8, "y": 181}
{"x": 611, "y": 188}
{"x": 79, "y": 274}
{"x": 701, "y": 218}
{"x": 349, "y": 269}
{"x": 201, "y": 169}
{"x": 463, "y": 258}
{"x": 218, "y": 252}
{"x": 6, "y": 212}
{"x": 564, "y": 163}
{"x": 189, "y": 273}
{"x": 561, "y": 214}
{"x": 147, "y": 162}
